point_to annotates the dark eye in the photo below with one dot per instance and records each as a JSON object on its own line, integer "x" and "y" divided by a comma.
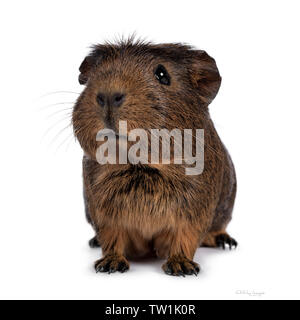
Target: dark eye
{"x": 162, "y": 75}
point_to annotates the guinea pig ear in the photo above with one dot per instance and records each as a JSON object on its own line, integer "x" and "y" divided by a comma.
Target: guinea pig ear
{"x": 86, "y": 68}
{"x": 205, "y": 76}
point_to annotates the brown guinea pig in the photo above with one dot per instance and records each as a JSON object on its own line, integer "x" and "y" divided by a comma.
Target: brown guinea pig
{"x": 141, "y": 209}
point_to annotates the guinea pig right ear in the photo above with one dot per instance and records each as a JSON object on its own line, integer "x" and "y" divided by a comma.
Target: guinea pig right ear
{"x": 85, "y": 69}
{"x": 205, "y": 76}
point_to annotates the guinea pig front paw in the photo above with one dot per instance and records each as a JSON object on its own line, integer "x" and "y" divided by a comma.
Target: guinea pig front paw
{"x": 112, "y": 263}
{"x": 180, "y": 266}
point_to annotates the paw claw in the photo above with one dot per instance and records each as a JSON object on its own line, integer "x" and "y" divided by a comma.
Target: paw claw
{"x": 181, "y": 274}
{"x": 111, "y": 271}
{"x": 123, "y": 267}
{"x": 168, "y": 272}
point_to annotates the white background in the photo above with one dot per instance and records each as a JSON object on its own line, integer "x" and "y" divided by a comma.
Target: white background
{"x": 43, "y": 233}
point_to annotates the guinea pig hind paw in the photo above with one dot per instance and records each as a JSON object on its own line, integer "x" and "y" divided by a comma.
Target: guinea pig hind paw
{"x": 224, "y": 239}
{"x": 93, "y": 243}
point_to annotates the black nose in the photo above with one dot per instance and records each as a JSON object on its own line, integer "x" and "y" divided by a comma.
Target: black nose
{"x": 113, "y": 100}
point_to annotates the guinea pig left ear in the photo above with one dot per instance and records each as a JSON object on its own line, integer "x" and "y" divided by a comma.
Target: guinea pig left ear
{"x": 205, "y": 76}
{"x": 86, "y": 68}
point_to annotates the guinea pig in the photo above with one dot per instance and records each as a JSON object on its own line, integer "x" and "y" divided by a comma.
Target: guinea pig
{"x": 141, "y": 209}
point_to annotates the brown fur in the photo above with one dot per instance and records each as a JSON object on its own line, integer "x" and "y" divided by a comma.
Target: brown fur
{"x": 139, "y": 209}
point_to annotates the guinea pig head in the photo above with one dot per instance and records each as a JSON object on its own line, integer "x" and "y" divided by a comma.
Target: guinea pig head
{"x": 151, "y": 86}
